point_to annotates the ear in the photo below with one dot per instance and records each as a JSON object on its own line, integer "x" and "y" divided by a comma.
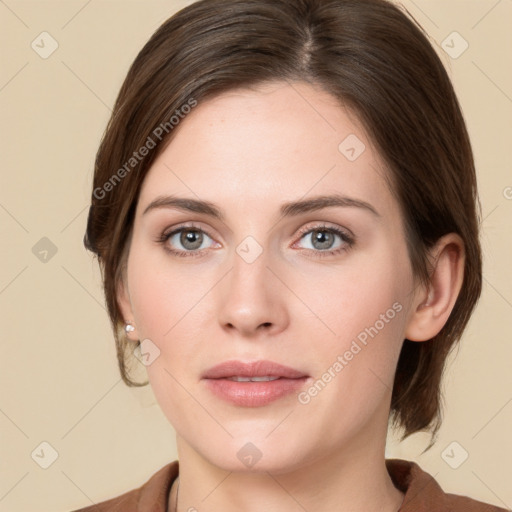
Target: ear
{"x": 432, "y": 305}
{"x": 125, "y": 306}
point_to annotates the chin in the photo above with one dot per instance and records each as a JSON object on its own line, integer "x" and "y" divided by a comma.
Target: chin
{"x": 255, "y": 455}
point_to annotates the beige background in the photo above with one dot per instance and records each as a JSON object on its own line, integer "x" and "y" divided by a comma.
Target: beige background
{"x": 59, "y": 377}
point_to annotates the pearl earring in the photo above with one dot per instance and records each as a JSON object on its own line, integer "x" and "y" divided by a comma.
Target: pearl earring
{"x": 129, "y": 328}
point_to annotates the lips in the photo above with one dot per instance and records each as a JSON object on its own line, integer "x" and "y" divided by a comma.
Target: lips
{"x": 253, "y": 384}
{"x": 260, "y": 368}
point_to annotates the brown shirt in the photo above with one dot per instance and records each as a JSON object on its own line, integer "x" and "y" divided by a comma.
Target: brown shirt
{"x": 422, "y": 493}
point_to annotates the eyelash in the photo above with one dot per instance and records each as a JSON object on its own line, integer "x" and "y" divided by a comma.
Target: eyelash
{"x": 348, "y": 240}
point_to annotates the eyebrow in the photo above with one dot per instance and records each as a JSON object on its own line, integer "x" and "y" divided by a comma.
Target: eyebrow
{"x": 289, "y": 209}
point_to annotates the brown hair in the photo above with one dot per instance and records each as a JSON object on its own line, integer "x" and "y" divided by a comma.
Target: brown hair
{"x": 372, "y": 57}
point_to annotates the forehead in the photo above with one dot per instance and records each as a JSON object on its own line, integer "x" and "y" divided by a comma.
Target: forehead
{"x": 260, "y": 146}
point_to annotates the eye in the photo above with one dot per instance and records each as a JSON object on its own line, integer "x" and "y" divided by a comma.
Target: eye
{"x": 323, "y": 239}
{"x": 191, "y": 240}
{"x": 185, "y": 241}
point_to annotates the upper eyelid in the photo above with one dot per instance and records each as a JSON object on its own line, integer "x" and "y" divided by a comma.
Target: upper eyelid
{"x": 327, "y": 226}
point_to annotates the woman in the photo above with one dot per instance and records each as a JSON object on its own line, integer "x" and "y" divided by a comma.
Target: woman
{"x": 285, "y": 213}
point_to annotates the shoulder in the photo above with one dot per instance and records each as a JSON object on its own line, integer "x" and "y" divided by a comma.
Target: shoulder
{"x": 424, "y": 494}
{"x": 150, "y": 496}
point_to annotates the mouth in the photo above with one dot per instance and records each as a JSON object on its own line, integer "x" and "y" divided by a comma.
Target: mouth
{"x": 264, "y": 378}
{"x": 251, "y": 370}
{"x": 253, "y": 384}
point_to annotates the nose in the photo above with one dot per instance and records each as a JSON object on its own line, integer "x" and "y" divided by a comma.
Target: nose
{"x": 251, "y": 299}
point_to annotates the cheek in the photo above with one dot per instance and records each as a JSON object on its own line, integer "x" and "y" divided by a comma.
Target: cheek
{"x": 150, "y": 303}
{"x": 367, "y": 294}
{"x": 167, "y": 308}
{"x": 162, "y": 297}
{"x": 364, "y": 304}
{"x": 354, "y": 369}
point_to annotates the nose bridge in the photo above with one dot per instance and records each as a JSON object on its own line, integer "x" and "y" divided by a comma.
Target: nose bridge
{"x": 251, "y": 254}
{"x": 250, "y": 296}
{"x": 250, "y": 275}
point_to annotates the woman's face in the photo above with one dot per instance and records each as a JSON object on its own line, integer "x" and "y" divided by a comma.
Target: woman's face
{"x": 325, "y": 291}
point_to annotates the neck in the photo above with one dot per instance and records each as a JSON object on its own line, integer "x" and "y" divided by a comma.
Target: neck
{"x": 354, "y": 480}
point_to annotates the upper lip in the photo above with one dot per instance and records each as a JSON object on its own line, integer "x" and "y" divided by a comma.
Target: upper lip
{"x": 251, "y": 369}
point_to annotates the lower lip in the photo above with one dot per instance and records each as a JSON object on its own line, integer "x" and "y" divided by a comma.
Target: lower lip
{"x": 254, "y": 394}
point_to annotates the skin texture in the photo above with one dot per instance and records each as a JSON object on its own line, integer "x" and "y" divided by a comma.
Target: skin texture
{"x": 248, "y": 151}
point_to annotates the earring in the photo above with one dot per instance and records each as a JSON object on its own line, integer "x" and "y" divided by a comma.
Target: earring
{"x": 129, "y": 328}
